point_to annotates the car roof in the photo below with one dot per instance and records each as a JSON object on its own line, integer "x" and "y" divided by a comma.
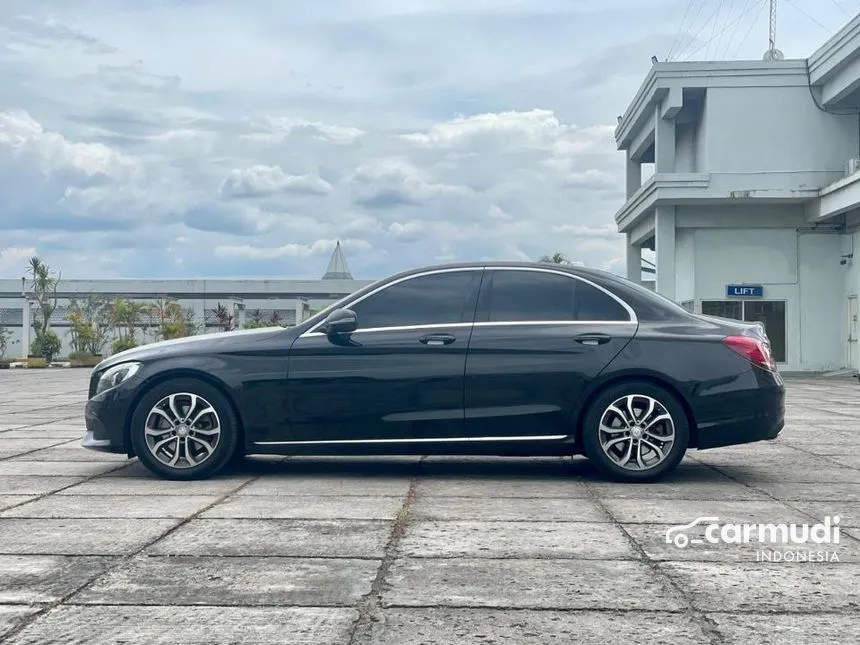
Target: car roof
{"x": 501, "y": 264}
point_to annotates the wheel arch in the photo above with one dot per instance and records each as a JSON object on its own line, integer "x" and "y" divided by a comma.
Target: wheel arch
{"x": 646, "y": 377}
{"x": 171, "y": 374}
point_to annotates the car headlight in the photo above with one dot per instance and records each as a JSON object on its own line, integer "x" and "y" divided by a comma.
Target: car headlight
{"x": 116, "y": 375}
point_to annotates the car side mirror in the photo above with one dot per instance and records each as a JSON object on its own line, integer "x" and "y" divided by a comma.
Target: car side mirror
{"x": 341, "y": 321}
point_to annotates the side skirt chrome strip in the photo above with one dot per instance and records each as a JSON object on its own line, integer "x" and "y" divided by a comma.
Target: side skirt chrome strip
{"x": 411, "y": 440}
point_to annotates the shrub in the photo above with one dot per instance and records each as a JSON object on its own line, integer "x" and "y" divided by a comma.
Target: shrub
{"x": 122, "y": 344}
{"x": 47, "y": 345}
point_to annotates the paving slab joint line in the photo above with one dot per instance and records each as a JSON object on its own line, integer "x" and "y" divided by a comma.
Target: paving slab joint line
{"x": 83, "y": 480}
{"x": 700, "y": 618}
{"x": 369, "y": 604}
{"x": 792, "y": 505}
{"x": 121, "y": 560}
{"x": 60, "y": 442}
{"x": 76, "y": 417}
{"x": 809, "y": 453}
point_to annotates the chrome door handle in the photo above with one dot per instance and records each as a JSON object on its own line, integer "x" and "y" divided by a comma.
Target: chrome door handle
{"x": 592, "y": 339}
{"x": 436, "y": 340}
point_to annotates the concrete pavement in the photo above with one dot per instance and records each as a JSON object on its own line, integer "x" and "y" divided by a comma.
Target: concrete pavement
{"x": 415, "y": 551}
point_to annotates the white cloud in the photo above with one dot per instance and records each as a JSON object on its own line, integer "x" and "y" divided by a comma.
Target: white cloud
{"x": 388, "y": 183}
{"x": 278, "y": 129}
{"x": 24, "y": 141}
{"x": 535, "y": 127}
{"x": 408, "y": 232}
{"x": 249, "y": 252}
{"x": 14, "y": 260}
{"x": 469, "y": 130}
{"x": 607, "y": 231}
{"x": 261, "y": 181}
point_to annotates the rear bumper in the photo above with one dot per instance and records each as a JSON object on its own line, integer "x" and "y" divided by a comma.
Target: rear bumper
{"x": 760, "y": 428}
{"x": 755, "y": 414}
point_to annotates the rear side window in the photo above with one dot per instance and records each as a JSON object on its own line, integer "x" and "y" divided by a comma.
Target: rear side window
{"x": 531, "y": 296}
{"x": 594, "y": 304}
{"x": 434, "y": 299}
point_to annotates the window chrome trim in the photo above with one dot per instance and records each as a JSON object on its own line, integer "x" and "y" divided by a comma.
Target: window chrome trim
{"x": 510, "y": 323}
{"x": 633, "y": 320}
{"x": 412, "y": 440}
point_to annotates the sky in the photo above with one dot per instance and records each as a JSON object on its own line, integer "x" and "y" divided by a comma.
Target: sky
{"x": 243, "y": 138}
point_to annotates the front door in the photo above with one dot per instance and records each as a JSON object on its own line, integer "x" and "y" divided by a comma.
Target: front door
{"x": 540, "y": 336}
{"x": 399, "y": 376}
{"x": 853, "y": 333}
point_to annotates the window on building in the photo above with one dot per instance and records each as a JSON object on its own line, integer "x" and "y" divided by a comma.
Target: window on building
{"x": 772, "y": 314}
{"x": 723, "y": 308}
{"x": 689, "y": 305}
{"x": 769, "y": 312}
{"x": 434, "y": 299}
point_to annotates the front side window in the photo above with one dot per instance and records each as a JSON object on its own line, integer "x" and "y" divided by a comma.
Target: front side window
{"x": 526, "y": 296}
{"x": 434, "y": 299}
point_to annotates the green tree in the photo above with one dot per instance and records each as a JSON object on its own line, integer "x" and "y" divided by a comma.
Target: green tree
{"x": 226, "y": 320}
{"x": 90, "y": 323}
{"x": 126, "y": 317}
{"x": 44, "y": 283}
{"x": 172, "y": 320}
{"x": 5, "y": 335}
{"x": 555, "y": 258}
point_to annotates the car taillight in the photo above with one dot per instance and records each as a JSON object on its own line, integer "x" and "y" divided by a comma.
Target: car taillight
{"x": 752, "y": 349}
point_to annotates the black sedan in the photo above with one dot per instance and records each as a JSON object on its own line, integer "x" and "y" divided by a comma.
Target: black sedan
{"x": 485, "y": 358}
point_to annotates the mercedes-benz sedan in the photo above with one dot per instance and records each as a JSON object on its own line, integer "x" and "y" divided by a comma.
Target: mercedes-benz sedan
{"x": 483, "y": 358}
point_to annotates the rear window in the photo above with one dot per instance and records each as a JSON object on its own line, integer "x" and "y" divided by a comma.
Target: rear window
{"x": 648, "y": 304}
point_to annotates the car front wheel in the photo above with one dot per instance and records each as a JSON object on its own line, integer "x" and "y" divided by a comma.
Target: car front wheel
{"x": 184, "y": 429}
{"x": 635, "y": 432}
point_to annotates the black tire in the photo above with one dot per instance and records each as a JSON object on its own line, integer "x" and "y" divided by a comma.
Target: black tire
{"x": 224, "y": 448}
{"x": 591, "y": 433}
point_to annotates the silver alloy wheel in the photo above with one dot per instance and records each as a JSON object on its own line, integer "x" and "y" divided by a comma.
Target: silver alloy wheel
{"x": 636, "y": 432}
{"x": 182, "y": 430}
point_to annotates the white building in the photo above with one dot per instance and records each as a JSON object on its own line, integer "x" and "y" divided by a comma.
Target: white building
{"x": 289, "y": 301}
{"x": 753, "y": 207}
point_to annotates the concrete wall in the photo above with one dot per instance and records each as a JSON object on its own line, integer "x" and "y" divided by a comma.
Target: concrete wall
{"x": 801, "y": 268}
{"x": 201, "y": 296}
{"x": 756, "y": 256}
{"x": 851, "y": 276}
{"x": 773, "y": 129}
{"x": 821, "y": 300}
{"x": 686, "y": 154}
{"x": 685, "y": 265}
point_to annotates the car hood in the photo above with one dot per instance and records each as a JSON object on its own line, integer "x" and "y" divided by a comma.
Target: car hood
{"x": 218, "y": 341}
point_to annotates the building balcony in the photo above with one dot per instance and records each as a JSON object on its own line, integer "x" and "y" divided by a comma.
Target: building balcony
{"x": 722, "y": 187}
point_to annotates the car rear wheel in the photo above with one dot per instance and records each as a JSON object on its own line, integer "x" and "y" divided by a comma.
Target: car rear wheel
{"x": 635, "y": 432}
{"x": 184, "y": 429}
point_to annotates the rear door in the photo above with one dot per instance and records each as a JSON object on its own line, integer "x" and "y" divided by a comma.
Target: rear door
{"x": 540, "y": 336}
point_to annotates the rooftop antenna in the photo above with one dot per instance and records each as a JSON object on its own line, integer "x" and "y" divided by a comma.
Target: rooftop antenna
{"x": 772, "y": 53}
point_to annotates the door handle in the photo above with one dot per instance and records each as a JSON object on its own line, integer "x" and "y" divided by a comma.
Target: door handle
{"x": 437, "y": 339}
{"x": 592, "y": 339}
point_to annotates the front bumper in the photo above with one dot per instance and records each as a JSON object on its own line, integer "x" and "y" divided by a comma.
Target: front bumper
{"x": 105, "y": 416}
{"x": 92, "y": 443}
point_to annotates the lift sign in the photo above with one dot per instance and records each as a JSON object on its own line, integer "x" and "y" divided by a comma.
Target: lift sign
{"x": 744, "y": 290}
